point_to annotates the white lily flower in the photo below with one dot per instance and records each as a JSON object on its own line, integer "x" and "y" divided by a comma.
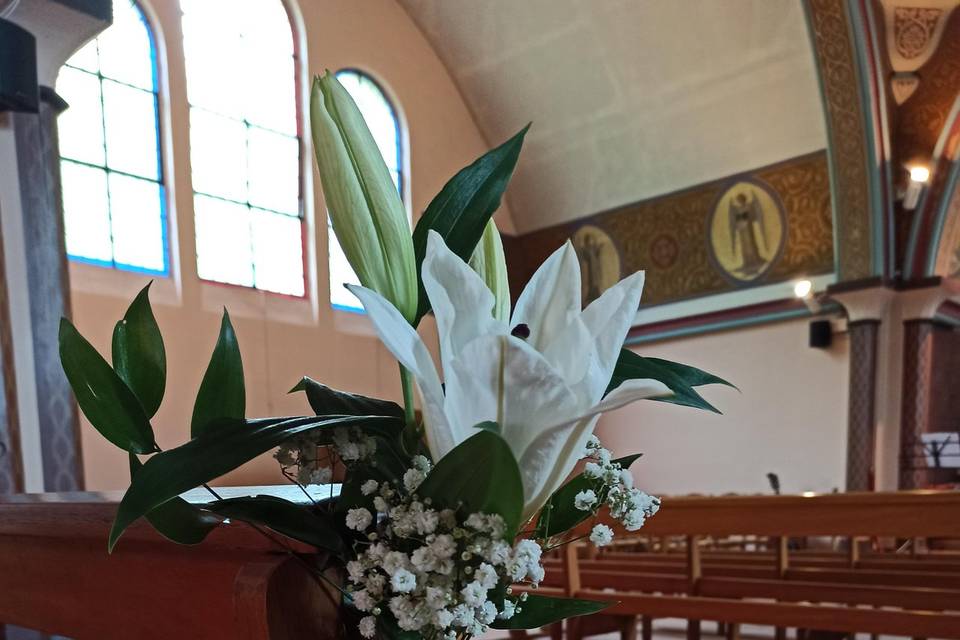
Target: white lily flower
{"x": 545, "y": 390}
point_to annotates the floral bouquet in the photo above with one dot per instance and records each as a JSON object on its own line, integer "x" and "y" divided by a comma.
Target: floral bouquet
{"x": 440, "y": 522}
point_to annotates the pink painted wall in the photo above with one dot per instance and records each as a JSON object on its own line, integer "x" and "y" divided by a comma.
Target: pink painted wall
{"x": 789, "y": 416}
{"x": 281, "y": 339}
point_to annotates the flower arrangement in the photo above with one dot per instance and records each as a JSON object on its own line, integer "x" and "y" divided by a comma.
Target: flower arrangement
{"x": 440, "y": 523}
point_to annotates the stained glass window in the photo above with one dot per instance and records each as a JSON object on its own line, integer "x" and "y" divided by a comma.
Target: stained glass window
{"x": 384, "y": 124}
{"x": 113, "y": 197}
{"x": 244, "y": 143}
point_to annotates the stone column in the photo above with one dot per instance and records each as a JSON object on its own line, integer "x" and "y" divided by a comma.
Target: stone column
{"x": 915, "y": 413}
{"x": 38, "y": 163}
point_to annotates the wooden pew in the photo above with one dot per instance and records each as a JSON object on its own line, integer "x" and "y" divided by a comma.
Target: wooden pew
{"x": 57, "y": 577}
{"x": 772, "y": 590}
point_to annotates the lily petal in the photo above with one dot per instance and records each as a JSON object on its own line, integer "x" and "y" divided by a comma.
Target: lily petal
{"x": 608, "y": 319}
{"x": 551, "y": 300}
{"x": 461, "y": 301}
{"x": 407, "y": 347}
{"x": 566, "y": 441}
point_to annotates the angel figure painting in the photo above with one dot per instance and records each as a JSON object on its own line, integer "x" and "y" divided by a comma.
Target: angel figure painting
{"x": 746, "y": 231}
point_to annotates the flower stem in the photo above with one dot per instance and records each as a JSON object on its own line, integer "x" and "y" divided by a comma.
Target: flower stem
{"x": 406, "y": 381}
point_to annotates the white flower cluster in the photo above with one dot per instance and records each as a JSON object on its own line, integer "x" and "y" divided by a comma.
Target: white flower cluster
{"x": 430, "y": 570}
{"x": 308, "y": 455}
{"x": 613, "y": 486}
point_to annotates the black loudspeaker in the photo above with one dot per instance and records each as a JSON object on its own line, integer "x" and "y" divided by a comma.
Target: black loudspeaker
{"x": 18, "y": 69}
{"x": 821, "y": 334}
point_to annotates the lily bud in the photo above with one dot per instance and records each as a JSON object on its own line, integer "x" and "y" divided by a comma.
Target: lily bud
{"x": 488, "y": 261}
{"x": 362, "y": 201}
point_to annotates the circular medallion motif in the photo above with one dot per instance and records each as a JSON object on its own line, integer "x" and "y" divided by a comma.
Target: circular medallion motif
{"x": 599, "y": 261}
{"x": 747, "y": 231}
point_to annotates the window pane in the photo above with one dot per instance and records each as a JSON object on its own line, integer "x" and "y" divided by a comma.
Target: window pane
{"x": 270, "y": 99}
{"x": 126, "y": 53}
{"x": 224, "y": 253}
{"x": 80, "y": 127}
{"x": 266, "y": 26}
{"x": 377, "y": 112}
{"x": 341, "y": 273}
{"x": 86, "y": 211}
{"x": 85, "y": 58}
{"x": 130, "y": 117}
{"x": 137, "y": 223}
{"x": 216, "y": 78}
{"x": 274, "y": 167}
{"x": 278, "y": 252}
{"x": 218, "y": 153}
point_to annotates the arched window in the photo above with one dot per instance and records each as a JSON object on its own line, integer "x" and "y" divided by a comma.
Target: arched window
{"x": 245, "y": 143}
{"x": 113, "y": 198}
{"x": 384, "y": 124}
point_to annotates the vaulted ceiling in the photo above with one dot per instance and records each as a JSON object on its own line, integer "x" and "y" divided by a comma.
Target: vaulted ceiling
{"x": 629, "y": 98}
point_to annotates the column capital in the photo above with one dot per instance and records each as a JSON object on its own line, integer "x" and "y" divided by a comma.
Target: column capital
{"x": 868, "y": 303}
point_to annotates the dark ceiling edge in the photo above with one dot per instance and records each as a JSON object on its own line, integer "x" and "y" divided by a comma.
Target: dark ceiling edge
{"x": 99, "y": 9}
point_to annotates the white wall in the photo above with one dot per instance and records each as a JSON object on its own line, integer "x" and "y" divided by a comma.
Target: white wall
{"x": 789, "y": 418}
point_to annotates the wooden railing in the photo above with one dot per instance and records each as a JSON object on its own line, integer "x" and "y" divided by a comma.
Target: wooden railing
{"x": 848, "y": 591}
{"x": 57, "y": 577}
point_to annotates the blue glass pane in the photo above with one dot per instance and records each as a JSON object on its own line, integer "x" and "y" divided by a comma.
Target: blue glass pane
{"x": 80, "y": 126}
{"x": 137, "y": 223}
{"x": 86, "y": 212}
{"x": 129, "y": 115}
{"x": 341, "y": 273}
{"x": 224, "y": 245}
{"x": 278, "y": 252}
{"x": 126, "y": 52}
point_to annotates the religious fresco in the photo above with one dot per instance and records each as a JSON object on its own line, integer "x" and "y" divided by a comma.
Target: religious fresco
{"x": 771, "y": 224}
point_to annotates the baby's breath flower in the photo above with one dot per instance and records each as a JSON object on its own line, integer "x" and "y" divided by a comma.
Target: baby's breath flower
{"x": 359, "y": 519}
{"x": 601, "y": 535}
{"x": 585, "y": 500}
{"x": 368, "y": 627}
{"x": 369, "y": 487}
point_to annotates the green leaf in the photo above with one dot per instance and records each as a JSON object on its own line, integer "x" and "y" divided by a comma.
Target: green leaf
{"x": 482, "y": 474}
{"x": 680, "y": 378}
{"x": 461, "y": 210}
{"x": 327, "y": 401}
{"x": 292, "y": 520}
{"x": 222, "y": 447}
{"x": 177, "y": 520}
{"x": 559, "y": 514}
{"x": 103, "y": 397}
{"x": 222, "y": 393}
{"x": 538, "y": 611}
{"x": 138, "y": 354}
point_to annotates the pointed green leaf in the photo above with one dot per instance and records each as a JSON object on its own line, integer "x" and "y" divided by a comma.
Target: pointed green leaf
{"x": 459, "y": 213}
{"x": 678, "y": 377}
{"x": 104, "y": 398}
{"x": 222, "y": 393}
{"x": 559, "y": 514}
{"x": 138, "y": 354}
{"x": 538, "y": 611}
{"x": 327, "y": 401}
{"x": 222, "y": 447}
{"x": 299, "y": 522}
{"x": 177, "y": 520}
{"x": 482, "y": 474}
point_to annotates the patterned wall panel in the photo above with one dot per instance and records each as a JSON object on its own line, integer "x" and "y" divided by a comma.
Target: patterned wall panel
{"x": 11, "y": 476}
{"x": 37, "y": 159}
{"x": 767, "y": 225}
{"x": 916, "y": 391}
{"x": 861, "y": 419}
{"x": 834, "y": 47}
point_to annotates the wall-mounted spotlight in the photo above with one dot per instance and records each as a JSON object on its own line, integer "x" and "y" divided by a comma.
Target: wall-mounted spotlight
{"x": 919, "y": 177}
{"x": 803, "y": 289}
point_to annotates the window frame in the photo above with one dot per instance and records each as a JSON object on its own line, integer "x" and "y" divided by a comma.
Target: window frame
{"x": 161, "y": 180}
{"x": 301, "y": 216}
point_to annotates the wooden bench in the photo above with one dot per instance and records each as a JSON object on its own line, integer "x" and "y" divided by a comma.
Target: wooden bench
{"x": 824, "y": 591}
{"x": 57, "y": 577}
